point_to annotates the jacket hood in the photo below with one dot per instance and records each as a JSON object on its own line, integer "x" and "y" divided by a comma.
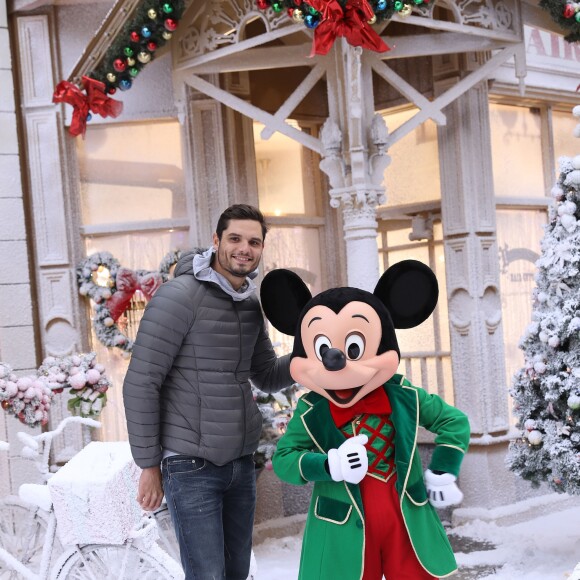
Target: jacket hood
{"x": 185, "y": 263}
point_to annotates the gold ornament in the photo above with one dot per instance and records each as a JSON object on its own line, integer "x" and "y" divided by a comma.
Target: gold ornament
{"x": 102, "y": 277}
{"x": 297, "y": 15}
{"x": 373, "y": 19}
{"x": 406, "y": 11}
{"x": 144, "y": 57}
{"x": 152, "y": 13}
{"x": 111, "y": 77}
{"x": 130, "y": 62}
{"x": 166, "y": 34}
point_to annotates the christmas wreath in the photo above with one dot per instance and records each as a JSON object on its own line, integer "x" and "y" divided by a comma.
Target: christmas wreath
{"x": 111, "y": 287}
{"x": 29, "y": 398}
{"x": 567, "y": 15}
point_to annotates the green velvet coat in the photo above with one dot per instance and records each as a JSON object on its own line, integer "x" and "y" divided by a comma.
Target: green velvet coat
{"x": 333, "y": 543}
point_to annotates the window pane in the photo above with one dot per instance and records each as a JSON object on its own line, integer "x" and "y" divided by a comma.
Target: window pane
{"x": 298, "y": 249}
{"x": 135, "y": 251}
{"x": 565, "y": 143}
{"x": 279, "y": 166}
{"x": 131, "y": 172}
{"x": 516, "y": 152}
{"x": 519, "y": 234}
{"x": 413, "y": 174}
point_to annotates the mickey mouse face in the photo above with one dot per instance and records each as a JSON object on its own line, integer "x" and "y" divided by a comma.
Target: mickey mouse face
{"x": 345, "y": 344}
{"x": 341, "y": 349}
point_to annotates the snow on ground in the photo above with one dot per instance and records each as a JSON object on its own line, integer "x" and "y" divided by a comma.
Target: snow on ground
{"x": 545, "y": 548}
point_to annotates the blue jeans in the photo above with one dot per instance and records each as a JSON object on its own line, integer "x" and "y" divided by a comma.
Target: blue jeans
{"x": 212, "y": 509}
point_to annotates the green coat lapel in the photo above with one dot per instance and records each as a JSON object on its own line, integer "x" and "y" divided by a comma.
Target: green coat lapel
{"x": 324, "y": 433}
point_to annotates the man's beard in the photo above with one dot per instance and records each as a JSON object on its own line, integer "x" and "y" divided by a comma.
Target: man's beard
{"x": 224, "y": 264}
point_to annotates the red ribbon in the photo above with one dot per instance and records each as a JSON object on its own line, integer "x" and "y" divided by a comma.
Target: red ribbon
{"x": 350, "y": 22}
{"x": 127, "y": 282}
{"x": 95, "y": 100}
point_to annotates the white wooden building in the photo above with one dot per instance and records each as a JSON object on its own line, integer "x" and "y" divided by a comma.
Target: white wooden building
{"x": 443, "y": 149}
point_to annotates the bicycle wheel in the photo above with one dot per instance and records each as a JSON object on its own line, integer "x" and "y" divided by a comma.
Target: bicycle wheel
{"x": 22, "y": 533}
{"x": 167, "y": 538}
{"x": 114, "y": 562}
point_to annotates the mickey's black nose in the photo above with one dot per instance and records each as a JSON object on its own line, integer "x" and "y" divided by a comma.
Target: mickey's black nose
{"x": 333, "y": 359}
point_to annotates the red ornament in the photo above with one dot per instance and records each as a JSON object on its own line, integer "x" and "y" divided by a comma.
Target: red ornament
{"x": 298, "y": 2}
{"x": 134, "y": 36}
{"x": 170, "y": 24}
{"x": 111, "y": 90}
{"x": 290, "y": 12}
{"x": 5, "y": 405}
{"x": 569, "y": 11}
{"x": 119, "y": 65}
{"x": 152, "y": 46}
{"x": 262, "y": 4}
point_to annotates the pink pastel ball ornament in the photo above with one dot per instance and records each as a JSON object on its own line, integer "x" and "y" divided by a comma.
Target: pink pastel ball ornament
{"x": 78, "y": 381}
{"x": 24, "y": 383}
{"x": 11, "y": 389}
{"x": 93, "y": 376}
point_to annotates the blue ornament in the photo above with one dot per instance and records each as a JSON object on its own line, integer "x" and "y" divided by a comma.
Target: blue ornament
{"x": 381, "y": 5}
{"x": 125, "y": 84}
{"x": 146, "y": 32}
{"x": 89, "y": 117}
{"x": 311, "y": 21}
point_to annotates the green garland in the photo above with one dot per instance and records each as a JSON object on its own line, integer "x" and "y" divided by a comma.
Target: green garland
{"x": 566, "y": 15}
{"x": 149, "y": 29}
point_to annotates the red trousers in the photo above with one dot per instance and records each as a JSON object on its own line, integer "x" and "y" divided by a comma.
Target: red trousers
{"x": 388, "y": 549}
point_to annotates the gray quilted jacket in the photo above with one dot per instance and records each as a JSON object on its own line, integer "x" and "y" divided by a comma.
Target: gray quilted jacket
{"x": 187, "y": 387}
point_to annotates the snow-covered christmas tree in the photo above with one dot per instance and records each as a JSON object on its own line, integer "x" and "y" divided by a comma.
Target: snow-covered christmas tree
{"x": 546, "y": 391}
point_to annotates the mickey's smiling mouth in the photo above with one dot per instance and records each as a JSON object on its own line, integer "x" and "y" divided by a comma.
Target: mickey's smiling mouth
{"x": 343, "y": 396}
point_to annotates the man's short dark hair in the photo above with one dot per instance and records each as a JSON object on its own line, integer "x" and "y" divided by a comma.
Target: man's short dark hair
{"x": 241, "y": 211}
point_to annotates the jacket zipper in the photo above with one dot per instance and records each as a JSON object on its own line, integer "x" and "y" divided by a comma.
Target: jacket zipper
{"x": 237, "y": 380}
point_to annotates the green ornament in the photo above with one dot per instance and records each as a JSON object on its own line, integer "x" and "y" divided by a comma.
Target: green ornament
{"x": 418, "y": 2}
{"x": 313, "y": 11}
{"x": 128, "y": 51}
{"x": 276, "y": 6}
{"x": 398, "y": 5}
{"x": 133, "y": 71}
{"x": 167, "y": 8}
{"x": 577, "y": 17}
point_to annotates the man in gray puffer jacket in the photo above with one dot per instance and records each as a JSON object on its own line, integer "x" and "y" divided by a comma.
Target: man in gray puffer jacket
{"x": 192, "y": 421}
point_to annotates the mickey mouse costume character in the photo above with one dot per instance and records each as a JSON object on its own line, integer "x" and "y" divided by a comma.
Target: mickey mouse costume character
{"x": 355, "y": 433}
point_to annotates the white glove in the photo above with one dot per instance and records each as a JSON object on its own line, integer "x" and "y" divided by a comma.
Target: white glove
{"x": 349, "y": 462}
{"x": 442, "y": 490}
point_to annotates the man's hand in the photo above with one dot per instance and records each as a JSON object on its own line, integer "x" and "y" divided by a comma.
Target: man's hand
{"x": 150, "y": 492}
{"x": 349, "y": 462}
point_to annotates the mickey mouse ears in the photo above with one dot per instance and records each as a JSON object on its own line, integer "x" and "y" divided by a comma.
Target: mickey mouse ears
{"x": 410, "y": 291}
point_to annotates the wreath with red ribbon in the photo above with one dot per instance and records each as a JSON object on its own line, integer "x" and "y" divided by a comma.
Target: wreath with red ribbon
{"x": 111, "y": 287}
{"x": 567, "y": 15}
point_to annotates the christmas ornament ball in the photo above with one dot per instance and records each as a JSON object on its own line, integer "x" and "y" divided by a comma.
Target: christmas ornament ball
{"x": 530, "y": 424}
{"x": 311, "y": 21}
{"x": 125, "y": 84}
{"x": 167, "y": 8}
{"x": 134, "y": 36}
{"x": 373, "y": 19}
{"x": 119, "y": 65}
{"x": 382, "y": 5}
{"x": 170, "y": 24}
{"x": 574, "y": 402}
{"x": 111, "y": 78}
{"x": 146, "y": 32}
{"x": 576, "y": 162}
{"x": 152, "y": 46}
{"x": 535, "y": 437}
{"x": 130, "y": 62}
{"x": 166, "y": 35}
{"x": 297, "y": 15}
{"x": 143, "y": 57}
{"x": 406, "y": 10}
{"x": 128, "y": 51}
{"x": 152, "y": 13}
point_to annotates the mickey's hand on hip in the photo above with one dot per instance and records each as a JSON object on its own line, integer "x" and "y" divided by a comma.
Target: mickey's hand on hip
{"x": 349, "y": 462}
{"x": 442, "y": 490}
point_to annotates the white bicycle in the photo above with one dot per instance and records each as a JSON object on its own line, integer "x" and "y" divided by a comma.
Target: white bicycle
{"x": 29, "y": 544}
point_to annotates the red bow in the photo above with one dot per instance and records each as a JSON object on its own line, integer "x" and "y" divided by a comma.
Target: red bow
{"x": 350, "y": 22}
{"x": 94, "y": 100}
{"x": 127, "y": 282}
{"x": 375, "y": 403}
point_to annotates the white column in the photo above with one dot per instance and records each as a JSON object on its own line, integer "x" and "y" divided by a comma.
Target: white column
{"x": 354, "y": 141}
{"x": 17, "y": 333}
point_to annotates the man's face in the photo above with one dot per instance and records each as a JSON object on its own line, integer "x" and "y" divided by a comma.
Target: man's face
{"x": 239, "y": 251}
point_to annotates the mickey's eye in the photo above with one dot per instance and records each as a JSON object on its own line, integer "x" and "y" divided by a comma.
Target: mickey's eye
{"x": 354, "y": 346}
{"x": 321, "y": 345}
